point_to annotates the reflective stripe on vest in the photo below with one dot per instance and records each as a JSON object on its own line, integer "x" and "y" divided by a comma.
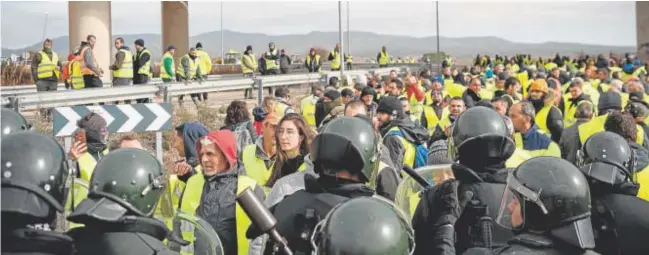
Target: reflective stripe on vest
{"x": 410, "y": 150}
{"x": 317, "y": 61}
{"x": 383, "y": 60}
{"x": 47, "y": 67}
{"x": 569, "y": 111}
{"x": 308, "y": 110}
{"x": 552, "y": 150}
{"x": 271, "y": 64}
{"x": 192, "y": 199}
{"x": 375, "y": 174}
{"x": 126, "y": 70}
{"x": 255, "y": 167}
{"x": 163, "y": 70}
{"x": 146, "y": 68}
{"x": 244, "y": 68}
{"x": 335, "y": 63}
{"x": 87, "y": 165}
{"x": 80, "y": 192}
{"x": 596, "y": 125}
{"x": 192, "y": 68}
{"x": 518, "y": 157}
{"x": 76, "y": 77}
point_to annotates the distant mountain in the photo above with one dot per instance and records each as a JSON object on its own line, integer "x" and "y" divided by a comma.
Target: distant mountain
{"x": 363, "y": 44}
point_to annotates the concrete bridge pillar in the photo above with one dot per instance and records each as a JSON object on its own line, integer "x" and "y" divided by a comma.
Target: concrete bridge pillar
{"x": 642, "y": 29}
{"x": 175, "y": 27}
{"x": 92, "y": 18}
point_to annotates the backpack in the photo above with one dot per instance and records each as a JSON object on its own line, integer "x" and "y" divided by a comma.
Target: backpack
{"x": 244, "y": 138}
{"x": 421, "y": 152}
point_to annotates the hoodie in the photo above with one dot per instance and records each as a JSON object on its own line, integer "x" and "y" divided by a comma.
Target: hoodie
{"x": 217, "y": 203}
{"x": 191, "y": 132}
{"x": 412, "y": 133}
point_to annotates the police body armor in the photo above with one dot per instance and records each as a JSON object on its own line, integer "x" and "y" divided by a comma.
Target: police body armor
{"x": 620, "y": 224}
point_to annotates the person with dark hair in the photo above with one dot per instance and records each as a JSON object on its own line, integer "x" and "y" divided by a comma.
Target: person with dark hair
{"x": 312, "y": 61}
{"x": 123, "y": 66}
{"x": 570, "y": 143}
{"x": 400, "y": 135}
{"x": 441, "y": 130}
{"x": 237, "y": 117}
{"x": 89, "y": 66}
{"x": 46, "y": 68}
{"x": 623, "y": 125}
{"x": 184, "y": 141}
{"x": 367, "y": 97}
{"x": 282, "y": 106}
{"x": 548, "y": 117}
{"x": 293, "y": 139}
{"x": 333, "y": 107}
{"x": 189, "y": 70}
{"x": 501, "y": 104}
{"x": 472, "y": 94}
{"x": 511, "y": 87}
{"x": 639, "y": 109}
{"x": 87, "y": 153}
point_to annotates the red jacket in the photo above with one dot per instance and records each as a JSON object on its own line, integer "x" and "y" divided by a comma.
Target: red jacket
{"x": 414, "y": 90}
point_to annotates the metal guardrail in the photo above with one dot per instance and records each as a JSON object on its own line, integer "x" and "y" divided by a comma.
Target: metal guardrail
{"x": 101, "y": 95}
{"x": 6, "y": 91}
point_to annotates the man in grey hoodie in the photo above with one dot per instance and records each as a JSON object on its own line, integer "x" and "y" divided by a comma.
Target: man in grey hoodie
{"x": 284, "y": 62}
{"x": 90, "y": 68}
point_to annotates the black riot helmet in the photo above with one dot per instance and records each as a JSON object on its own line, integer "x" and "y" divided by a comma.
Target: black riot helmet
{"x": 12, "y": 122}
{"x": 34, "y": 175}
{"x": 606, "y": 157}
{"x": 346, "y": 143}
{"x": 548, "y": 195}
{"x": 364, "y": 225}
{"x": 127, "y": 181}
{"x": 481, "y": 134}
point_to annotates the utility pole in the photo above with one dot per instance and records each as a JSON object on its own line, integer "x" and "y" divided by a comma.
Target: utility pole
{"x": 222, "y": 52}
{"x": 349, "y": 46}
{"x": 340, "y": 39}
{"x": 439, "y": 57}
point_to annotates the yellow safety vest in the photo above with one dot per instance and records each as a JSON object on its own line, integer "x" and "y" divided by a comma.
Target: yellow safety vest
{"x": 270, "y": 64}
{"x": 192, "y": 68}
{"x": 146, "y": 68}
{"x": 453, "y": 89}
{"x": 375, "y": 174}
{"x": 383, "y": 60}
{"x": 255, "y": 167}
{"x": 163, "y": 71}
{"x": 126, "y": 70}
{"x": 79, "y": 192}
{"x": 192, "y": 199}
{"x": 280, "y": 109}
{"x": 48, "y": 67}
{"x": 517, "y": 158}
{"x": 552, "y": 150}
{"x": 317, "y": 61}
{"x": 335, "y": 63}
{"x": 428, "y": 100}
{"x": 307, "y": 107}
{"x": 244, "y": 68}
{"x": 596, "y": 125}
{"x": 76, "y": 77}
{"x": 349, "y": 59}
{"x": 416, "y": 107}
{"x": 87, "y": 165}
{"x": 569, "y": 111}
{"x": 410, "y": 150}
{"x": 165, "y": 210}
{"x": 432, "y": 119}
{"x": 204, "y": 62}
{"x": 541, "y": 118}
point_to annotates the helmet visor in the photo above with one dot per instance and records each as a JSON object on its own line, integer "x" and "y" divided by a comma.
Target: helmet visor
{"x": 511, "y": 214}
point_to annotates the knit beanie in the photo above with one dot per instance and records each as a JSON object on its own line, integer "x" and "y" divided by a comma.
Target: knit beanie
{"x": 390, "y": 105}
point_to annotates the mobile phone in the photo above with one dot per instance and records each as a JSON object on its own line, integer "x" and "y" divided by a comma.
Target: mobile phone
{"x": 80, "y": 136}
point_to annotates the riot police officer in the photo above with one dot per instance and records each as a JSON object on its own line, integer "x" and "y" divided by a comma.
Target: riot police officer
{"x": 481, "y": 142}
{"x": 344, "y": 155}
{"x": 546, "y": 203}
{"x": 34, "y": 173}
{"x": 618, "y": 215}
{"x": 123, "y": 192}
{"x": 377, "y": 226}
{"x": 12, "y": 122}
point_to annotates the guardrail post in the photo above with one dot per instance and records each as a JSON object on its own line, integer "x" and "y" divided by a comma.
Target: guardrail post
{"x": 324, "y": 79}
{"x": 14, "y": 103}
{"x": 163, "y": 92}
{"x": 260, "y": 90}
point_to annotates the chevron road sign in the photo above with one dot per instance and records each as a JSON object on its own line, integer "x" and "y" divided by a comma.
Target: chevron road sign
{"x": 120, "y": 118}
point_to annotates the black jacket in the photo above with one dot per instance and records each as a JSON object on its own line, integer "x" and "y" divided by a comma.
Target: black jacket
{"x": 320, "y": 113}
{"x": 29, "y": 241}
{"x": 621, "y": 224}
{"x": 319, "y": 197}
{"x": 132, "y": 235}
{"x": 570, "y": 143}
{"x": 411, "y": 132}
{"x": 470, "y": 98}
{"x": 487, "y": 185}
{"x": 531, "y": 244}
{"x": 554, "y": 121}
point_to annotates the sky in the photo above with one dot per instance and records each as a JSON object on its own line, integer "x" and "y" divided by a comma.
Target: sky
{"x": 605, "y": 23}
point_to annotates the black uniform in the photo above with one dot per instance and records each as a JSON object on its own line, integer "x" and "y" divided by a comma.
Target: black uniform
{"x": 482, "y": 150}
{"x": 131, "y": 235}
{"x": 35, "y": 173}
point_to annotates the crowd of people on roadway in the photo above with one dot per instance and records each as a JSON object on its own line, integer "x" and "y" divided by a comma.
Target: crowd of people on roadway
{"x": 506, "y": 156}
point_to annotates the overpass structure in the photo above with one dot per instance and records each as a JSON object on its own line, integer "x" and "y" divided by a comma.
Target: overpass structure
{"x": 642, "y": 29}
{"x": 94, "y": 17}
